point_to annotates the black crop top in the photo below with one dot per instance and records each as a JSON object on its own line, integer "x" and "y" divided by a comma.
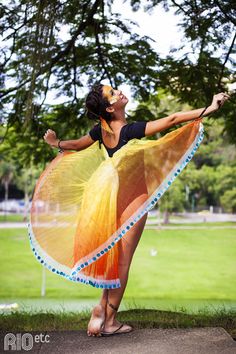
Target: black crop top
{"x": 134, "y": 130}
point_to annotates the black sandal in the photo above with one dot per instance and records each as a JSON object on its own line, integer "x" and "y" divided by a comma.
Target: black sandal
{"x": 106, "y": 334}
{"x": 116, "y": 331}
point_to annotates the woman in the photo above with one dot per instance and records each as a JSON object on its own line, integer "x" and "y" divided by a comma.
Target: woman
{"x": 95, "y": 201}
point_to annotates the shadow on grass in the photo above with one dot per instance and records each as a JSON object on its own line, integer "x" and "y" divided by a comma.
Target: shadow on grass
{"x": 135, "y": 316}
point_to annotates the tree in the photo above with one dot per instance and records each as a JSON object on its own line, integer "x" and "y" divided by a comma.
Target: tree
{"x": 228, "y": 200}
{"x": 172, "y": 200}
{"x": 159, "y": 105}
{"x": 38, "y": 59}
{"x": 195, "y": 75}
{"x": 225, "y": 184}
{"x": 6, "y": 176}
{"x": 25, "y": 181}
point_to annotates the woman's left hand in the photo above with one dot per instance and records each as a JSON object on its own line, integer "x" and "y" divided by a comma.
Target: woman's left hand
{"x": 219, "y": 99}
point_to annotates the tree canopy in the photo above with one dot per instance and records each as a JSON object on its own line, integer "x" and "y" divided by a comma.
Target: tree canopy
{"x": 99, "y": 44}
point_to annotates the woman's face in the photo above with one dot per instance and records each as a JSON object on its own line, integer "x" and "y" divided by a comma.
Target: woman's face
{"x": 114, "y": 97}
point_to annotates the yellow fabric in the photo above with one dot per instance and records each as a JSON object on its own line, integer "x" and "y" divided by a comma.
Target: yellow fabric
{"x": 85, "y": 201}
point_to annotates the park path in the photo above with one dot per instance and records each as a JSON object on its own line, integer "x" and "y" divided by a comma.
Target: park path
{"x": 142, "y": 341}
{"x": 149, "y": 226}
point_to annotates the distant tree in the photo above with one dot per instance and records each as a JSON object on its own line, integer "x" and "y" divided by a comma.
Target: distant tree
{"x": 25, "y": 181}
{"x": 225, "y": 183}
{"x": 172, "y": 200}
{"x": 6, "y": 176}
{"x": 228, "y": 200}
{"x": 216, "y": 148}
{"x": 160, "y": 104}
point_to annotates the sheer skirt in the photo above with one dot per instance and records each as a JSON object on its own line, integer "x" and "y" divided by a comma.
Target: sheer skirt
{"x": 76, "y": 218}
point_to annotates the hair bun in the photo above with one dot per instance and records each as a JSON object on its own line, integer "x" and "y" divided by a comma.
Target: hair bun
{"x": 91, "y": 115}
{"x": 96, "y": 104}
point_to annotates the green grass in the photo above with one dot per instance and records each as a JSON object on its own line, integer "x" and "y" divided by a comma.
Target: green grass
{"x": 138, "y": 318}
{"x": 12, "y": 218}
{"x": 190, "y": 264}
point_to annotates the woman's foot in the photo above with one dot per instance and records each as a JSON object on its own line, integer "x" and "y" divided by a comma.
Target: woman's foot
{"x": 116, "y": 327}
{"x": 97, "y": 321}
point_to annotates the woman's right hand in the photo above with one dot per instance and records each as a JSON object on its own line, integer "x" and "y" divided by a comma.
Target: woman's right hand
{"x": 51, "y": 138}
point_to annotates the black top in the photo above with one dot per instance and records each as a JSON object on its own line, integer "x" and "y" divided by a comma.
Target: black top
{"x": 134, "y": 130}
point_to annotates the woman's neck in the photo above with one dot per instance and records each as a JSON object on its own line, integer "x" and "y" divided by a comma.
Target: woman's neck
{"x": 118, "y": 121}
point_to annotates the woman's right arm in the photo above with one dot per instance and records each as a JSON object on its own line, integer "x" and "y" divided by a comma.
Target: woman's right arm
{"x": 158, "y": 125}
{"x": 78, "y": 144}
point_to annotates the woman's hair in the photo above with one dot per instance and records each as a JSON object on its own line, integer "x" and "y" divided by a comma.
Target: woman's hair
{"x": 96, "y": 104}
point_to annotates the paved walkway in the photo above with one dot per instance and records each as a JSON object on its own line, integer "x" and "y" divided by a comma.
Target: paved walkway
{"x": 183, "y": 227}
{"x": 13, "y": 225}
{"x": 141, "y": 341}
{"x": 148, "y": 226}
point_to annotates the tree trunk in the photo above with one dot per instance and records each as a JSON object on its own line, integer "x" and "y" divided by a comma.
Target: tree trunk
{"x": 6, "y": 187}
{"x": 166, "y": 217}
{"x": 26, "y": 205}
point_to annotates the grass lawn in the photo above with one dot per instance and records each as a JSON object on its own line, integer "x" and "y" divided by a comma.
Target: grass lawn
{"x": 12, "y": 218}
{"x": 189, "y": 264}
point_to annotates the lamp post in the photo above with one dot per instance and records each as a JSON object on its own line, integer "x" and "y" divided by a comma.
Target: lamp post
{"x": 43, "y": 285}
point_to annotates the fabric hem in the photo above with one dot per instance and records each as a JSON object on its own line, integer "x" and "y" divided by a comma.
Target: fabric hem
{"x": 49, "y": 263}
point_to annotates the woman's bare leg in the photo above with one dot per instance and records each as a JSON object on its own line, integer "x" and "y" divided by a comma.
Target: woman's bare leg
{"x": 103, "y": 300}
{"x": 127, "y": 246}
{"x": 103, "y": 314}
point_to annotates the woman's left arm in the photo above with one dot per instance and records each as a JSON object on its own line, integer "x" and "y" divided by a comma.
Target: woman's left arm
{"x": 158, "y": 125}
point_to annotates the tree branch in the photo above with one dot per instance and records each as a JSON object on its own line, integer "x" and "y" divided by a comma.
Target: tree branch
{"x": 100, "y": 54}
{"x": 81, "y": 28}
{"x": 229, "y": 18}
{"x": 179, "y": 7}
{"x": 74, "y": 74}
{"x": 226, "y": 59}
{"x": 62, "y": 53}
{"x": 15, "y": 30}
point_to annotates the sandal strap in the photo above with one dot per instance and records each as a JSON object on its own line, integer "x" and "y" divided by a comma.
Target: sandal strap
{"x": 118, "y": 328}
{"x": 110, "y": 333}
{"x": 113, "y": 307}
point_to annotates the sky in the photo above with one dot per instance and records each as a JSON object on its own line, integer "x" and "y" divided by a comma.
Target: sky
{"x": 161, "y": 26}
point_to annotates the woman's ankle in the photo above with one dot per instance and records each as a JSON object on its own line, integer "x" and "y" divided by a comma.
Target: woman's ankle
{"x": 110, "y": 320}
{"x": 103, "y": 306}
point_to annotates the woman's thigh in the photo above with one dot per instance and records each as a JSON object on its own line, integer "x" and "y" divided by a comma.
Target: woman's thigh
{"x": 130, "y": 240}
